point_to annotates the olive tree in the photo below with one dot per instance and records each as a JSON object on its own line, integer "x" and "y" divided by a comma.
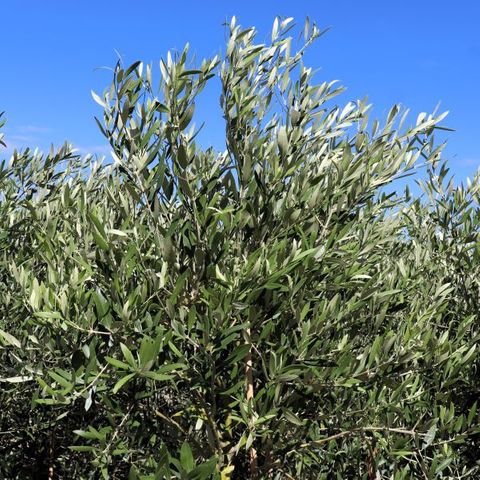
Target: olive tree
{"x": 274, "y": 310}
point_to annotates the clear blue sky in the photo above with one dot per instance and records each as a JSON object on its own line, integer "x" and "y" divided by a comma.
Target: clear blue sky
{"x": 413, "y": 52}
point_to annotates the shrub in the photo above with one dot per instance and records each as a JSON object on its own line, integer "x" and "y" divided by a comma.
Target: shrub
{"x": 270, "y": 311}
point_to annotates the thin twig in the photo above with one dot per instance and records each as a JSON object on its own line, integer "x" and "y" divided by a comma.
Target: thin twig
{"x": 117, "y": 431}
{"x": 250, "y": 393}
{"x": 175, "y": 424}
{"x": 361, "y": 430}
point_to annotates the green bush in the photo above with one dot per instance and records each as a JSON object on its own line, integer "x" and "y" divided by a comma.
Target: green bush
{"x": 269, "y": 311}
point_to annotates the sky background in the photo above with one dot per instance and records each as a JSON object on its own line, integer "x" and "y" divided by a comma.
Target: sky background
{"x": 416, "y": 53}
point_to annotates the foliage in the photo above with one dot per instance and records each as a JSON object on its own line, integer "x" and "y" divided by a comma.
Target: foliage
{"x": 268, "y": 311}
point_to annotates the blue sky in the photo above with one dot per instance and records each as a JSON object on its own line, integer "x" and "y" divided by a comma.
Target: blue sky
{"x": 417, "y": 53}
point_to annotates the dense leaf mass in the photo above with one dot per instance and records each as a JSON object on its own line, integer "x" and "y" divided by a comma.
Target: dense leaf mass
{"x": 275, "y": 310}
